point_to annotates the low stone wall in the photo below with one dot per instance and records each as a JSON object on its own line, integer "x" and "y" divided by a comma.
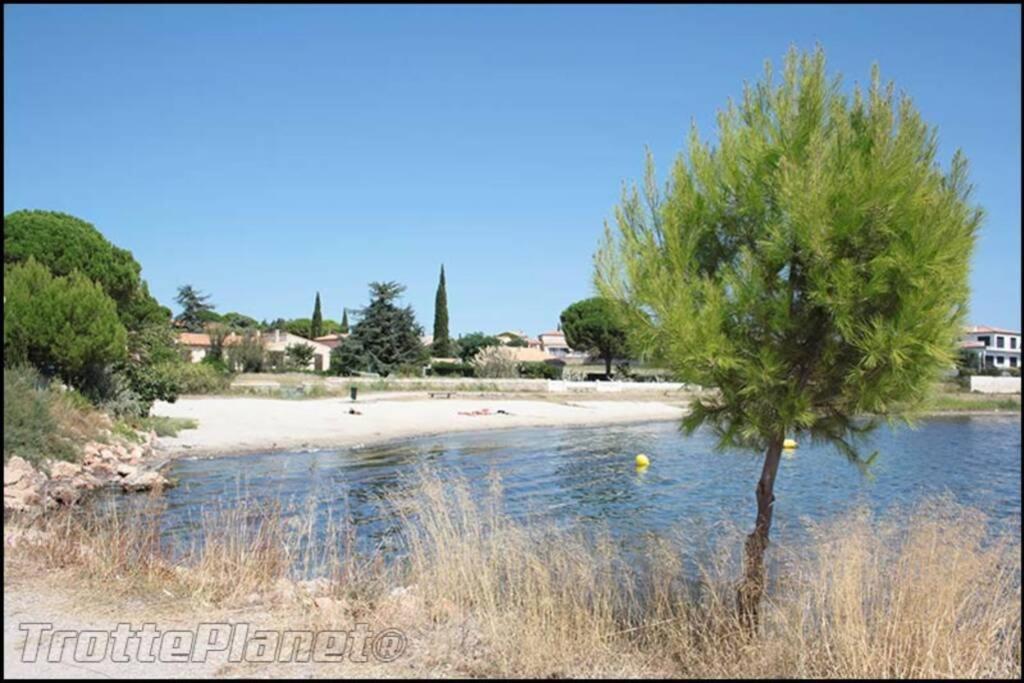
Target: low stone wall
{"x": 995, "y": 385}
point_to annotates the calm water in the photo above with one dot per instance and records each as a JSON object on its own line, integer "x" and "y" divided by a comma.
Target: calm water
{"x": 586, "y": 477}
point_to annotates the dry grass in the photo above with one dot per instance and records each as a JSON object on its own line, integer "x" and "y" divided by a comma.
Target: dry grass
{"x": 921, "y": 593}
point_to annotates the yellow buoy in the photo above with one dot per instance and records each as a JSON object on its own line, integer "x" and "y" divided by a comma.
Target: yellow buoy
{"x": 642, "y": 461}
{"x": 789, "y": 443}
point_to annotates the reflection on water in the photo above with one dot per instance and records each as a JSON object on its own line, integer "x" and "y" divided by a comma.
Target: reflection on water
{"x": 585, "y": 477}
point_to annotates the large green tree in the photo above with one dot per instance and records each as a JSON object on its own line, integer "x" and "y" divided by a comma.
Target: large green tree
{"x": 64, "y": 326}
{"x": 593, "y": 325}
{"x": 316, "y": 325}
{"x": 386, "y": 336}
{"x": 441, "y": 346}
{"x": 65, "y": 244}
{"x": 812, "y": 267}
{"x": 195, "y": 308}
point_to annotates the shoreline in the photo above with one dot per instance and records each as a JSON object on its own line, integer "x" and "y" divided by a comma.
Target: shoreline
{"x": 246, "y": 425}
{"x": 237, "y": 426}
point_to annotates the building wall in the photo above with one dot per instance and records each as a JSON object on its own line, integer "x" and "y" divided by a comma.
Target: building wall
{"x": 279, "y": 341}
{"x": 995, "y": 385}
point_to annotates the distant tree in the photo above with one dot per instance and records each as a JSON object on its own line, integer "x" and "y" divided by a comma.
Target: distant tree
{"x": 811, "y": 266}
{"x": 517, "y": 342}
{"x": 316, "y": 326}
{"x": 299, "y": 355}
{"x": 207, "y": 317}
{"x": 344, "y": 322}
{"x": 440, "y": 347}
{"x": 65, "y": 326}
{"x": 592, "y": 325}
{"x": 239, "y": 321}
{"x": 194, "y": 306}
{"x": 471, "y": 344}
{"x": 248, "y": 355}
{"x": 385, "y": 337}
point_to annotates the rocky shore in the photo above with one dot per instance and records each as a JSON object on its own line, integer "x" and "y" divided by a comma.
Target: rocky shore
{"x": 131, "y": 466}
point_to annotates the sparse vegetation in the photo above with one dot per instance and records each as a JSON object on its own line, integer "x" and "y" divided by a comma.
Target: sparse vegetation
{"x": 924, "y": 593}
{"x": 42, "y": 421}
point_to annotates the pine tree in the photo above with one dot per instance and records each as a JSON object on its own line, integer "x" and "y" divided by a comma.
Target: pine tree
{"x": 316, "y": 326}
{"x": 812, "y": 267}
{"x": 386, "y": 336}
{"x": 194, "y": 305}
{"x": 442, "y": 345}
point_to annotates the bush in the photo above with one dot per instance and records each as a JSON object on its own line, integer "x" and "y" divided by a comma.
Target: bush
{"x": 32, "y": 429}
{"x": 540, "y": 370}
{"x": 202, "y": 378}
{"x": 247, "y": 355}
{"x": 446, "y": 369}
{"x": 408, "y": 370}
{"x": 217, "y": 364}
{"x": 495, "y": 362}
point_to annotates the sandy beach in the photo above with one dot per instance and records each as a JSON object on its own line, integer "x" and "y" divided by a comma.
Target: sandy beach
{"x": 233, "y": 425}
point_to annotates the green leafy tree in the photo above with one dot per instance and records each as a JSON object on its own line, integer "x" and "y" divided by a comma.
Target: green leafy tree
{"x": 471, "y": 344}
{"x": 195, "y": 307}
{"x": 812, "y": 267}
{"x": 386, "y": 336}
{"x": 440, "y": 347}
{"x": 248, "y": 355}
{"x": 238, "y": 321}
{"x": 64, "y": 244}
{"x": 64, "y": 326}
{"x": 344, "y": 322}
{"x": 299, "y": 355}
{"x": 593, "y": 325}
{"x": 316, "y": 325}
{"x": 518, "y": 342}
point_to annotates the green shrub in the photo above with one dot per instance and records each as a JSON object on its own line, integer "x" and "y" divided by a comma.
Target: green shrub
{"x": 446, "y": 369}
{"x": 202, "y": 378}
{"x": 540, "y": 370}
{"x": 31, "y": 429}
{"x": 217, "y": 364}
{"x": 408, "y": 370}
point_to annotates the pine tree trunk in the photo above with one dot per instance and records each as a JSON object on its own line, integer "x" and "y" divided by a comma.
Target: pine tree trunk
{"x": 608, "y": 367}
{"x": 751, "y": 590}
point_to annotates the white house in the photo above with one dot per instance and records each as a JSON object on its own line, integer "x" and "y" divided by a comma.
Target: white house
{"x": 992, "y": 347}
{"x": 278, "y": 341}
{"x": 554, "y": 343}
{"x": 275, "y": 342}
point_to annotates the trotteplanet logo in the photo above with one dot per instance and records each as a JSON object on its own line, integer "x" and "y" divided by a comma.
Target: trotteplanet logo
{"x": 209, "y": 642}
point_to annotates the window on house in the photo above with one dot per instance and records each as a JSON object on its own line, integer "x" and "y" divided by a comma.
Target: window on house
{"x": 1013, "y": 342}
{"x": 985, "y": 340}
{"x": 1000, "y": 360}
{"x": 1013, "y": 362}
{"x": 1000, "y": 342}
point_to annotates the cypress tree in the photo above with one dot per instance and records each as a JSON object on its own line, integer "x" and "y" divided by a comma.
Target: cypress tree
{"x": 344, "y": 322}
{"x": 316, "y": 326}
{"x": 441, "y": 345}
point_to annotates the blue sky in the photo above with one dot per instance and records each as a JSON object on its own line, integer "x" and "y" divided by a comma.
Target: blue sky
{"x": 263, "y": 153}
